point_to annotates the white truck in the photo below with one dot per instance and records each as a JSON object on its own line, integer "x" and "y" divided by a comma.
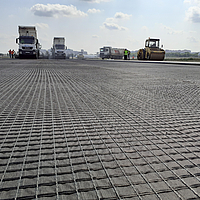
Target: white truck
{"x": 59, "y": 49}
{"x": 113, "y": 53}
{"x": 29, "y": 46}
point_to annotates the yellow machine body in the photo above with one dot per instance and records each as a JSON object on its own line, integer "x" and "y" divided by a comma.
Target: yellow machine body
{"x": 152, "y": 51}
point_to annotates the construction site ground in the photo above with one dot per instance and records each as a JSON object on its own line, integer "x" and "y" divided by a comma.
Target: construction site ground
{"x": 87, "y": 130}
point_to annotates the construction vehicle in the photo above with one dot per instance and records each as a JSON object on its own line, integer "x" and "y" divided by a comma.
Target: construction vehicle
{"x": 113, "y": 53}
{"x": 59, "y": 49}
{"x": 152, "y": 50}
{"x": 29, "y": 46}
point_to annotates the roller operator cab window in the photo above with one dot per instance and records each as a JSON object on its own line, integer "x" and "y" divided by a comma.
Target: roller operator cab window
{"x": 154, "y": 43}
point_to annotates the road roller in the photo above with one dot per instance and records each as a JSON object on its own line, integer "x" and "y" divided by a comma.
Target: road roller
{"x": 152, "y": 50}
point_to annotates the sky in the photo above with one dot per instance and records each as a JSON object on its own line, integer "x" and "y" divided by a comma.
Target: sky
{"x": 91, "y": 24}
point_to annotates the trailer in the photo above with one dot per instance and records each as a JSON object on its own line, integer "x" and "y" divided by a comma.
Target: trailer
{"x": 113, "y": 53}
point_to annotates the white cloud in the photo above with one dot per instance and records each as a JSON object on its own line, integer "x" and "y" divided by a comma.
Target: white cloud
{"x": 193, "y": 14}
{"x": 193, "y": 40}
{"x": 192, "y": 32}
{"x": 56, "y": 10}
{"x": 171, "y": 31}
{"x": 192, "y": 1}
{"x": 11, "y": 16}
{"x": 145, "y": 28}
{"x": 93, "y": 11}
{"x": 120, "y": 15}
{"x": 95, "y": 1}
{"x": 112, "y": 22}
{"x": 95, "y": 36}
{"x": 113, "y": 26}
{"x": 187, "y": 1}
{"x": 42, "y": 25}
{"x": 197, "y": 1}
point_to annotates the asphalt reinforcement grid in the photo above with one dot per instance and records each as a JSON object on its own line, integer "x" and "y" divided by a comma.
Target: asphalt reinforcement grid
{"x": 86, "y": 130}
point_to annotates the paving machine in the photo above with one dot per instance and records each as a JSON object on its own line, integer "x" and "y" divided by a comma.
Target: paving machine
{"x": 152, "y": 51}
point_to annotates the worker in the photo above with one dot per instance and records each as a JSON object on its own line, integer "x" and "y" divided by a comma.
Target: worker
{"x": 10, "y": 51}
{"x": 129, "y": 55}
{"x": 125, "y": 54}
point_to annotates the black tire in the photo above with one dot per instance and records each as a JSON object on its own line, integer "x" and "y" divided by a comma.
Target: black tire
{"x": 139, "y": 57}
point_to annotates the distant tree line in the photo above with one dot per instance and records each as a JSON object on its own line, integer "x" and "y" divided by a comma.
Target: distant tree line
{"x": 178, "y": 54}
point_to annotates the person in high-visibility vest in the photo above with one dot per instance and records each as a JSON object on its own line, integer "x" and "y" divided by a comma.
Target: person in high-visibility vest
{"x": 125, "y": 54}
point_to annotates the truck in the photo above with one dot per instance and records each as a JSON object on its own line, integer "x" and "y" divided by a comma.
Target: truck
{"x": 59, "y": 49}
{"x": 113, "y": 53}
{"x": 29, "y": 46}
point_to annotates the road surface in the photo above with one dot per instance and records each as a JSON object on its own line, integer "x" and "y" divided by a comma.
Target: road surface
{"x": 87, "y": 130}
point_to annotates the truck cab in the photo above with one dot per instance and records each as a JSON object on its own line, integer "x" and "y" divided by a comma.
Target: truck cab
{"x": 59, "y": 49}
{"x": 28, "y": 46}
{"x": 105, "y": 52}
{"x": 28, "y": 43}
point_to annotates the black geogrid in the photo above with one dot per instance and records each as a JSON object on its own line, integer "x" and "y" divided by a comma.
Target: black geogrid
{"x": 64, "y": 136}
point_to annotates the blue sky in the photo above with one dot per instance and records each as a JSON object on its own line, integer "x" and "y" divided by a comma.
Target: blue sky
{"x": 91, "y": 24}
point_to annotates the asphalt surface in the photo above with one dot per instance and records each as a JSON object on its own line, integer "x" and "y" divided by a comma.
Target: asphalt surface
{"x": 87, "y": 130}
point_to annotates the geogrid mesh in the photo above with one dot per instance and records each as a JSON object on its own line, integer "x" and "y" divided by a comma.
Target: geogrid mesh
{"x": 98, "y": 130}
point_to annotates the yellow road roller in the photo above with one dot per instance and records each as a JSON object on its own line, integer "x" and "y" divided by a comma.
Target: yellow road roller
{"x": 152, "y": 50}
